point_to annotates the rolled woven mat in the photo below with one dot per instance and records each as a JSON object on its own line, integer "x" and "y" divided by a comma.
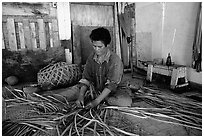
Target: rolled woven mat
{"x": 58, "y": 75}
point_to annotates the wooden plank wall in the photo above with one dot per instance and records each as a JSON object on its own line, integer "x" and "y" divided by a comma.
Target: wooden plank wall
{"x": 92, "y": 15}
{"x": 29, "y": 33}
{"x": 89, "y": 15}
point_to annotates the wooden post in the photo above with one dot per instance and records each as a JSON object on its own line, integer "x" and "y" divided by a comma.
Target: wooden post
{"x": 174, "y": 79}
{"x": 149, "y": 72}
{"x": 185, "y": 72}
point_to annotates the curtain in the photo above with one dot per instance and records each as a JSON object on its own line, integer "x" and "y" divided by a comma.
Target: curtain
{"x": 197, "y": 45}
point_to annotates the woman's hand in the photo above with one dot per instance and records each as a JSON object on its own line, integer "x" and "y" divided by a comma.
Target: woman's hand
{"x": 80, "y": 102}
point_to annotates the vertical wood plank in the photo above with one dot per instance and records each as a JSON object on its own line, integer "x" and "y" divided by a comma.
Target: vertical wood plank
{"x": 27, "y": 34}
{"x": 47, "y": 35}
{"x": 17, "y": 35}
{"x": 5, "y": 35}
{"x": 21, "y": 35}
{"x": 33, "y": 35}
{"x": 42, "y": 33}
{"x": 11, "y": 34}
{"x": 37, "y": 35}
{"x": 55, "y": 33}
{"x": 51, "y": 34}
{"x": 76, "y": 45}
{"x": 117, "y": 37}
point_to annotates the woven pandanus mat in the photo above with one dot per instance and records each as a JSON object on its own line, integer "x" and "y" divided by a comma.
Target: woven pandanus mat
{"x": 121, "y": 121}
{"x": 59, "y": 74}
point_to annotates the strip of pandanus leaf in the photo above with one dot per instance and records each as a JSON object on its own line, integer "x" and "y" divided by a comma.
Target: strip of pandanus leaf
{"x": 12, "y": 100}
{"x": 9, "y": 127}
{"x": 47, "y": 124}
{"x": 177, "y": 123}
{"x": 104, "y": 125}
{"x": 70, "y": 130}
{"x": 66, "y": 115}
{"x": 18, "y": 133}
{"x": 134, "y": 115}
{"x": 24, "y": 95}
{"x": 42, "y": 97}
{"x": 34, "y": 118}
{"x": 94, "y": 120}
{"x": 188, "y": 118}
{"x": 37, "y": 133}
{"x": 105, "y": 115}
{"x": 136, "y": 108}
{"x": 23, "y": 130}
{"x": 75, "y": 123}
{"x": 58, "y": 131}
{"x": 62, "y": 97}
{"x": 53, "y": 98}
{"x": 66, "y": 129}
{"x": 95, "y": 126}
{"x": 88, "y": 128}
{"x": 124, "y": 132}
{"x": 33, "y": 126}
{"x": 19, "y": 99}
{"x": 19, "y": 104}
{"x": 172, "y": 118}
{"x": 147, "y": 115}
{"x": 191, "y": 113}
{"x": 50, "y": 107}
{"x": 12, "y": 92}
{"x": 6, "y": 123}
{"x": 91, "y": 121}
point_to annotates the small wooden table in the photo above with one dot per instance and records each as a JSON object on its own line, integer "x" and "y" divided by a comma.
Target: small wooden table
{"x": 175, "y": 72}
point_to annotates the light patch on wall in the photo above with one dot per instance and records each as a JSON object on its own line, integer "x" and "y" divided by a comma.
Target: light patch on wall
{"x": 64, "y": 20}
{"x": 172, "y": 44}
{"x": 163, "y": 16}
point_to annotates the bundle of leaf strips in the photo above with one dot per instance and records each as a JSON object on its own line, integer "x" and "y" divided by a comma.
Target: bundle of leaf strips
{"x": 170, "y": 108}
{"x": 54, "y": 115}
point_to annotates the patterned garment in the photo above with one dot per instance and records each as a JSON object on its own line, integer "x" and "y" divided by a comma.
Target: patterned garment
{"x": 105, "y": 72}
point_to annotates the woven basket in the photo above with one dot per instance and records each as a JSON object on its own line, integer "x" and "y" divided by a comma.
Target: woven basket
{"x": 58, "y": 74}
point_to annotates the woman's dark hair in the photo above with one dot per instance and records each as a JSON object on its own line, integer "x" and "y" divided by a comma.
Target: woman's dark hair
{"x": 101, "y": 34}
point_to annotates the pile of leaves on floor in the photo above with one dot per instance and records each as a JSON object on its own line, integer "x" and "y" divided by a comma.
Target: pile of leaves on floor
{"x": 54, "y": 115}
{"x": 170, "y": 107}
{"x": 35, "y": 114}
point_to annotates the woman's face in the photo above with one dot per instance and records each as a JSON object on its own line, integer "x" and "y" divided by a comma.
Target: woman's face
{"x": 99, "y": 47}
